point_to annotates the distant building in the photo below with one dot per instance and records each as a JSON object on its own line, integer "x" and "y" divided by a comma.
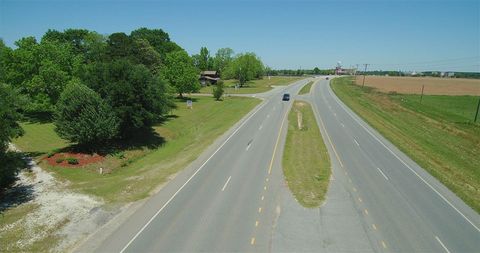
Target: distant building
{"x": 447, "y": 74}
{"x": 208, "y": 77}
{"x": 342, "y": 71}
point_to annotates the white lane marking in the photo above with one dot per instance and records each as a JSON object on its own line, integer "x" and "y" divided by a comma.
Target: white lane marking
{"x": 334, "y": 114}
{"x": 443, "y": 245}
{"x": 381, "y": 172}
{"x": 225, "y": 185}
{"x": 342, "y": 124}
{"x": 356, "y": 142}
{"x": 268, "y": 115}
{"x": 261, "y": 126}
{"x": 248, "y": 144}
{"x": 189, "y": 179}
{"x": 401, "y": 160}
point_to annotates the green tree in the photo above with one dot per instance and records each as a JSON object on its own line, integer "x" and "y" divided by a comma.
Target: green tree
{"x": 218, "y": 90}
{"x": 145, "y": 54}
{"x": 9, "y": 128}
{"x": 39, "y": 71}
{"x": 137, "y": 97}
{"x": 245, "y": 67}
{"x": 119, "y": 45}
{"x": 180, "y": 72}
{"x": 83, "y": 117}
{"x": 223, "y": 58}
{"x": 157, "y": 38}
{"x": 316, "y": 71}
{"x": 203, "y": 61}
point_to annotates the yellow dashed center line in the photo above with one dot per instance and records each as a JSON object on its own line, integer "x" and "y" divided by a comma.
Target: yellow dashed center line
{"x": 374, "y": 227}
{"x": 252, "y": 241}
{"x": 263, "y": 197}
{"x": 259, "y": 209}
{"x": 276, "y": 144}
{"x": 366, "y": 211}
{"x": 265, "y": 188}
{"x": 359, "y": 199}
{"x": 256, "y": 223}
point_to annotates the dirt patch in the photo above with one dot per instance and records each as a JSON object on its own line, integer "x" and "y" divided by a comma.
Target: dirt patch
{"x": 60, "y": 218}
{"x": 61, "y": 159}
{"x": 413, "y": 85}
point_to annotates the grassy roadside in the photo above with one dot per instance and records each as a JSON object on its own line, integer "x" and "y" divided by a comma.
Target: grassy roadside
{"x": 306, "y": 89}
{"x": 436, "y": 134}
{"x": 133, "y": 174}
{"x": 254, "y": 86}
{"x": 306, "y": 164}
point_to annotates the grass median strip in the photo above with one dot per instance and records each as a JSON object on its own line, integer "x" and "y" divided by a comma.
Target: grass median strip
{"x": 306, "y": 89}
{"x": 438, "y": 133}
{"x": 306, "y": 164}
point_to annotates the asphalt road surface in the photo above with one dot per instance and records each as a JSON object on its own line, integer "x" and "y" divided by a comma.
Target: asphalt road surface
{"x": 224, "y": 204}
{"x": 234, "y": 199}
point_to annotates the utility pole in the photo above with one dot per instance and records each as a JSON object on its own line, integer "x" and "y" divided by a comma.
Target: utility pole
{"x": 364, "y": 72}
{"x": 476, "y": 114}
{"x": 421, "y": 96}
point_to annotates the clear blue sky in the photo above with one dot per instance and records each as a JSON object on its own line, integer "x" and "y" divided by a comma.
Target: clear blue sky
{"x": 389, "y": 34}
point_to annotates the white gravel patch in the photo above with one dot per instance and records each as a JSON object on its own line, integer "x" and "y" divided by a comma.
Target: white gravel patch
{"x": 66, "y": 214}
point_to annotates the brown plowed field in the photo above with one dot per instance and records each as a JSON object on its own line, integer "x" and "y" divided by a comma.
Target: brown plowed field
{"x": 413, "y": 85}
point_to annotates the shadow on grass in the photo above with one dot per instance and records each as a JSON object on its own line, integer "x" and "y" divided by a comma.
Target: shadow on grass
{"x": 145, "y": 138}
{"x": 185, "y": 98}
{"x": 38, "y": 117}
{"x": 14, "y": 193}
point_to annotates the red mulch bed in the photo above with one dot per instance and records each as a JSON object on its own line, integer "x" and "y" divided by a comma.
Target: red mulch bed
{"x": 83, "y": 159}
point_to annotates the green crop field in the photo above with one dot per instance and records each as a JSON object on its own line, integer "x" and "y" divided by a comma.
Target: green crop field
{"x": 439, "y": 134}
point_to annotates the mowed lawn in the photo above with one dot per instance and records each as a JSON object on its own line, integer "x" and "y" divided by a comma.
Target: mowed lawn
{"x": 254, "y": 86}
{"x": 39, "y": 138}
{"x": 134, "y": 173}
{"x": 306, "y": 164}
{"x": 439, "y": 134}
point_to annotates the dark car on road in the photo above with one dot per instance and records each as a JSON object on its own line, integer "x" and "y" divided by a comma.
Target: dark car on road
{"x": 326, "y": 78}
{"x": 286, "y": 97}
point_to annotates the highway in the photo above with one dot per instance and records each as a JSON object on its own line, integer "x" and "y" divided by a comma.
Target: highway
{"x": 403, "y": 208}
{"x": 234, "y": 199}
{"x": 225, "y": 203}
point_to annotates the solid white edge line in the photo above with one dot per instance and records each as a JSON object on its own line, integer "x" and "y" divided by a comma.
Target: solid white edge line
{"x": 443, "y": 245}
{"x": 195, "y": 173}
{"x": 248, "y": 146}
{"x": 401, "y": 160}
{"x": 225, "y": 185}
{"x": 383, "y": 174}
